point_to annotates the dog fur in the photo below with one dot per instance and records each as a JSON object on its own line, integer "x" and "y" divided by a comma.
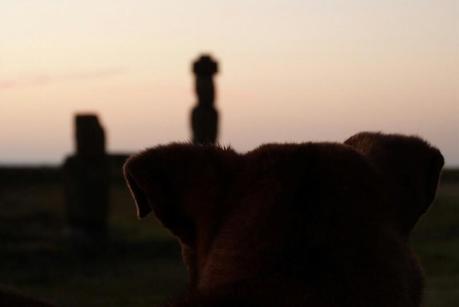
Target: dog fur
{"x": 312, "y": 224}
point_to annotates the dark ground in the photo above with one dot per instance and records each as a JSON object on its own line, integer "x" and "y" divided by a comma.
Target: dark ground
{"x": 141, "y": 264}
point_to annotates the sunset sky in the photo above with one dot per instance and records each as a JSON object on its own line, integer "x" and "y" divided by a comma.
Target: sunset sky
{"x": 291, "y": 71}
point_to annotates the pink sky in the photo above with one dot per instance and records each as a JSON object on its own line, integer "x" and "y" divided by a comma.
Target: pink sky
{"x": 290, "y": 71}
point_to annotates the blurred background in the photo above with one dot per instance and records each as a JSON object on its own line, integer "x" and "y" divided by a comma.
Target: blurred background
{"x": 288, "y": 71}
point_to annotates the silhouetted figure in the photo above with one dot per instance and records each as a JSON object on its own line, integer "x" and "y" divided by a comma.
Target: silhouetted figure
{"x": 87, "y": 182}
{"x": 204, "y": 117}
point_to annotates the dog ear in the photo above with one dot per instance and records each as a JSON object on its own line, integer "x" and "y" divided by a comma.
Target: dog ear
{"x": 181, "y": 183}
{"x": 410, "y": 167}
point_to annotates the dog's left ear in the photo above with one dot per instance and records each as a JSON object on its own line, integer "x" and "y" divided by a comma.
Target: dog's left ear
{"x": 183, "y": 184}
{"x": 411, "y": 168}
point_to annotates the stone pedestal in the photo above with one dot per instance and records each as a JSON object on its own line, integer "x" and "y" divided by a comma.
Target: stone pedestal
{"x": 204, "y": 116}
{"x": 87, "y": 181}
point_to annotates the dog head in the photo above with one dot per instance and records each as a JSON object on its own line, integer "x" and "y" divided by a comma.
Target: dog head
{"x": 303, "y": 212}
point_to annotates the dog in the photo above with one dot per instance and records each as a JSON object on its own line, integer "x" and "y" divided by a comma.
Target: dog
{"x": 311, "y": 224}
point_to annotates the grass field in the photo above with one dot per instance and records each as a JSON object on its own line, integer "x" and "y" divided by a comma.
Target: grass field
{"x": 141, "y": 266}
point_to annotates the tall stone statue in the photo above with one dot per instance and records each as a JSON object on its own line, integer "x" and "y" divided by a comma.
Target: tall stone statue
{"x": 204, "y": 116}
{"x": 87, "y": 182}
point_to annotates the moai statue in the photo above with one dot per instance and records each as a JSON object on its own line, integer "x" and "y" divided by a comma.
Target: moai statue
{"x": 87, "y": 182}
{"x": 204, "y": 117}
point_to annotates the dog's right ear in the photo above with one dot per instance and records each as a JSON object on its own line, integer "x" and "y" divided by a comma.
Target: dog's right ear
{"x": 181, "y": 183}
{"x": 411, "y": 167}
